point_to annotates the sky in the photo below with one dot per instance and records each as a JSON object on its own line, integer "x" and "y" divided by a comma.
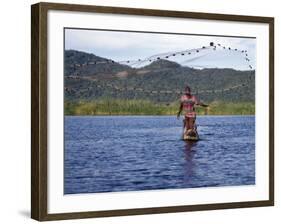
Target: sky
{"x": 124, "y": 46}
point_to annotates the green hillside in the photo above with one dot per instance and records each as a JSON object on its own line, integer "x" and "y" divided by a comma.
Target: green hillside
{"x": 90, "y": 79}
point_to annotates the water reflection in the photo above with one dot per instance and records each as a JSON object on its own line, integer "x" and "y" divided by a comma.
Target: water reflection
{"x": 189, "y": 166}
{"x": 190, "y": 145}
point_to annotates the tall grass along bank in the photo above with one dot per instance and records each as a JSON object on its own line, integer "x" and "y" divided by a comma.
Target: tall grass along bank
{"x": 145, "y": 107}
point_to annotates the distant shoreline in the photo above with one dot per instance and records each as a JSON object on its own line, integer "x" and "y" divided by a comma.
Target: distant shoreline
{"x": 117, "y": 107}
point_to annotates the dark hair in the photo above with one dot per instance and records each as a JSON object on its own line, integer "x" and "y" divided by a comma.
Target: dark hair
{"x": 187, "y": 89}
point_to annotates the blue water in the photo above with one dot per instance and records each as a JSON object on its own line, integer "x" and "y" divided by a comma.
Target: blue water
{"x": 129, "y": 153}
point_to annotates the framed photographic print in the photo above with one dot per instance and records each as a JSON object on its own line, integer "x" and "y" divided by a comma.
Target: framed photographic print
{"x": 139, "y": 111}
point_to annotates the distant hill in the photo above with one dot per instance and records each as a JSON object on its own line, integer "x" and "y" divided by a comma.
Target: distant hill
{"x": 79, "y": 63}
{"x": 161, "y": 64}
{"x": 89, "y": 77}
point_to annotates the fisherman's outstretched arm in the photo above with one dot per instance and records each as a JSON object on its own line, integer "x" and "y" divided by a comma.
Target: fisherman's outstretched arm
{"x": 203, "y": 104}
{"x": 199, "y": 103}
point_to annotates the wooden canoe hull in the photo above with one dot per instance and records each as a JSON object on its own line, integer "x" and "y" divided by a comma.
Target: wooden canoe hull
{"x": 191, "y": 135}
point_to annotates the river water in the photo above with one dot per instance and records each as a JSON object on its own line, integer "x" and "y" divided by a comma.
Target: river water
{"x": 129, "y": 153}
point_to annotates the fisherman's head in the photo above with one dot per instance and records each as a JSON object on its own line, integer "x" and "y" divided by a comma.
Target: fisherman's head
{"x": 187, "y": 90}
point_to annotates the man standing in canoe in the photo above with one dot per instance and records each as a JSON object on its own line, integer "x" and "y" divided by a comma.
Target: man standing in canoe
{"x": 187, "y": 104}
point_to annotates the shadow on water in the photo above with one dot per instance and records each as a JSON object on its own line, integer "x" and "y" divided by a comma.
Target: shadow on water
{"x": 190, "y": 145}
{"x": 189, "y": 150}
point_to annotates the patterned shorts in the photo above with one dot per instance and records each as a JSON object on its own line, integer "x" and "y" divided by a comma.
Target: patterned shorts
{"x": 190, "y": 114}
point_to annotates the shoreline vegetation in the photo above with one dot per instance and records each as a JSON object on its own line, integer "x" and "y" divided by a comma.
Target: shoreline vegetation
{"x": 145, "y": 107}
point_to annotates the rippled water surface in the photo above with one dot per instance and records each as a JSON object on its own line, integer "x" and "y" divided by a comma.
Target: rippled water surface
{"x": 129, "y": 153}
